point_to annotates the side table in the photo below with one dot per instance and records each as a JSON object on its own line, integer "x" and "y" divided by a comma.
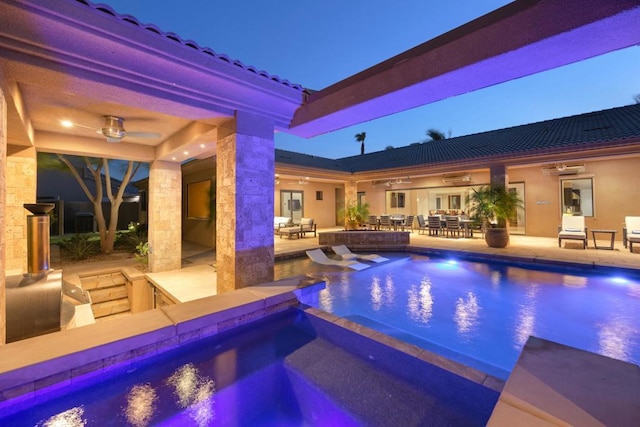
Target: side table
{"x": 611, "y": 233}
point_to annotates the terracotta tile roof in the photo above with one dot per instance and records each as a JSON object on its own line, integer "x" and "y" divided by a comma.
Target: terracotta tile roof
{"x": 309, "y": 161}
{"x": 574, "y": 133}
{"x": 106, "y": 9}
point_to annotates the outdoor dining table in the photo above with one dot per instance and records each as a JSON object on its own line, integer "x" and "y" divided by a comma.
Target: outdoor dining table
{"x": 396, "y": 221}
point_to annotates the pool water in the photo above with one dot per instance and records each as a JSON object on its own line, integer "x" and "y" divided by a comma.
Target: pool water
{"x": 290, "y": 369}
{"x": 481, "y": 314}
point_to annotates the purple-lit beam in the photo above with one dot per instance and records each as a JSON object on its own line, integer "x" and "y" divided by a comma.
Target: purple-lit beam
{"x": 522, "y": 38}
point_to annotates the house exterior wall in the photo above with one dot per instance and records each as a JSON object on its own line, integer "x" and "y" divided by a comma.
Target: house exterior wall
{"x": 322, "y": 211}
{"x": 615, "y": 196}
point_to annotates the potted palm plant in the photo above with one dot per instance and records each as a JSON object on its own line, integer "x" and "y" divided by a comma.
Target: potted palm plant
{"x": 354, "y": 215}
{"x": 493, "y": 205}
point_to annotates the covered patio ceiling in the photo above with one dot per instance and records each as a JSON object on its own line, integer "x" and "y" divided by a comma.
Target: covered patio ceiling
{"x": 77, "y": 61}
{"x": 522, "y": 38}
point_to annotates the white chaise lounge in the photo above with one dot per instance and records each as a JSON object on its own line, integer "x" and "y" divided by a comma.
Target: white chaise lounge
{"x": 632, "y": 224}
{"x": 572, "y": 228}
{"x": 346, "y": 254}
{"x": 316, "y": 255}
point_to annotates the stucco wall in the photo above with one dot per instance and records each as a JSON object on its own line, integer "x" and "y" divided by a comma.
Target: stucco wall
{"x": 615, "y": 196}
{"x": 322, "y": 211}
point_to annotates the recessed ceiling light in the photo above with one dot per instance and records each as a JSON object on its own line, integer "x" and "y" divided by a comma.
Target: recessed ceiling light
{"x": 202, "y": 145}
{"x": 186, "y": 153}
{"x": 173, "y": 158}
{"x": 66, "y": 123}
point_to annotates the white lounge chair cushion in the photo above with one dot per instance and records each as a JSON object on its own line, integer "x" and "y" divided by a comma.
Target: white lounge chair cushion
{"x": 346, "y": 253}
{"x": 316, "y": 255}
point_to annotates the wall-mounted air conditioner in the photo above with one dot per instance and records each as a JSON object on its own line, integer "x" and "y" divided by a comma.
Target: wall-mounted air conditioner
{"x": 563, "y": 169}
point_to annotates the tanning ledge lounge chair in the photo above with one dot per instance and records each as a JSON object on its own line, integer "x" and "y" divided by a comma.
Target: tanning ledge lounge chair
{"x": 316, "y": 255}
{"x": 632, "y": 228}
{"x": 346, "y": 254}
{"x": 572, "y": 228}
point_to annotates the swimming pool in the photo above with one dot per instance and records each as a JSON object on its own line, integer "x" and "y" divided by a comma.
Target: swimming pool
{"x": 481, "y": 314}
{"x": 289, "y": 369}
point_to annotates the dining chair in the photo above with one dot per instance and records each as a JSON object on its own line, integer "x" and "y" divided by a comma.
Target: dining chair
{"x": 385, "y": 222}
{"x": 453, "y": 226}
{"x": 422, "y": 224}
{"x": 408, "y": 223}
{"x": 434, "y": 225}
{"x": 373, "y": 222}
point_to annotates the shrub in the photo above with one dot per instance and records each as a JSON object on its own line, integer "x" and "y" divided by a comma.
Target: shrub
{"x": 80, "y": 246}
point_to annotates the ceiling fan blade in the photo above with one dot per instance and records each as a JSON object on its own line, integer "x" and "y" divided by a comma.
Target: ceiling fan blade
{"x": 143, "y": 134}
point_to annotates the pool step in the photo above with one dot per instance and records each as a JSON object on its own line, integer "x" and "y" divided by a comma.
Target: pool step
{"x": 371, "y": 395}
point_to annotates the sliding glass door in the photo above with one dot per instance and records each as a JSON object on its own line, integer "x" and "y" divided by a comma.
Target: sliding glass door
{"x": 291, "y": 204}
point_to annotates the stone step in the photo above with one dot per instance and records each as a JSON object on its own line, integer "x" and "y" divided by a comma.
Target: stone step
{"x": 108, "y": 308}
{"x": 101, "y": 295}
{"x": 113, "y": 316}
{"x": 106, "y": 280}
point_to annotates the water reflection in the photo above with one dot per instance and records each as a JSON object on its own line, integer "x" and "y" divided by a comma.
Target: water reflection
{"x": 526, "y": 317}
{"x": 615, "y": 336}
{"x": 466, "y": 315}
{"x": 420, "y": 301}
{"x": 68, "y": 418}
{"x": 194, "y": 392}
{"x": 574, "y": 281}
{"x": 141, "y": 405}
{"x": 382, "y": 295}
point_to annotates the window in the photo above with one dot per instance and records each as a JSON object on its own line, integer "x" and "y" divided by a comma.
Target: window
{"x": 198, "y": 194}
{"x": 577, "y": 196}
{"x": 397, "y": 200}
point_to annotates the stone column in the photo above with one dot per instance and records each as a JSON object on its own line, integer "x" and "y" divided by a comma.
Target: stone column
{"x": 20, "y": 188}
{"x": 499, "y": 175}
{"x": 244, "y": 217}
{"x": 165, "y": 216}
{"x": 3, "y": 198}
{"x": 350, "y": 193}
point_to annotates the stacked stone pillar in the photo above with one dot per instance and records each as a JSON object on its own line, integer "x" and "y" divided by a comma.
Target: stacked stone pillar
{"x": 244, "y": 218}
{"x": 350, "y": 193}
{"x": 498, "y": 175}
{"x": 165, "y": 216}
{"x": 20, "y": 188}
{"x": 3, "y": 175}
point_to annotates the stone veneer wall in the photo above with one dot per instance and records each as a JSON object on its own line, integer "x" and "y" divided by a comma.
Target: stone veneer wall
{"x": 3, "y": 196}
{"x": 20, "y": 188}
{"x": 350, "y": 192}
{"x": 165, "y": 216}
{"x": 62, "y": 358}
{"x": 244, "y": 217}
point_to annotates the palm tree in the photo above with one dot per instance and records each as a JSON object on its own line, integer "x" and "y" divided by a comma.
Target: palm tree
{"x": 435, "y": 135}
{"x": 360, "y": 138}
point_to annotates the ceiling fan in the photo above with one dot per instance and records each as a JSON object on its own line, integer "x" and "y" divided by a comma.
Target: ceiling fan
{"x": 113, "y": 130}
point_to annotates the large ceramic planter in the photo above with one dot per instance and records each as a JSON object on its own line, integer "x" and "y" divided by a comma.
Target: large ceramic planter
{"x": 497, "y": 237}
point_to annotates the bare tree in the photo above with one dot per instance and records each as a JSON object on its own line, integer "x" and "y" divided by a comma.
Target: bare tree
{"x": 96, "y": 167}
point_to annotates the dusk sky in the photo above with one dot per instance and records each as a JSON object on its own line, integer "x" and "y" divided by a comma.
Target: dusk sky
{"x": 316, "y": 44}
